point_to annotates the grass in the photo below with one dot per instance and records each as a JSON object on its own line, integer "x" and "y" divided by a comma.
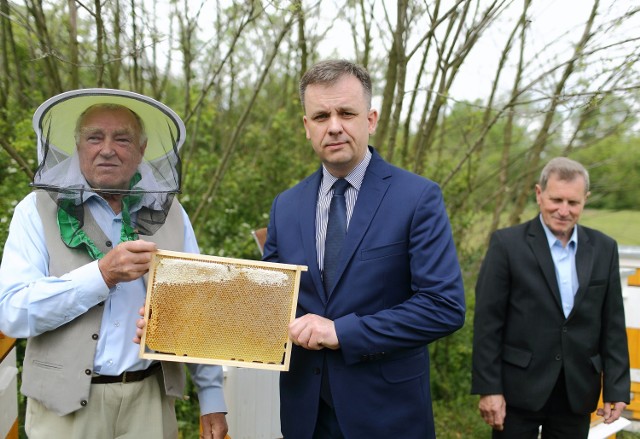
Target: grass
{"x": 622, "y": 225}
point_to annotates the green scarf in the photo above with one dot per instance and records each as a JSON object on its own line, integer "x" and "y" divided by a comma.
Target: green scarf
{"x": 73, "y": 235}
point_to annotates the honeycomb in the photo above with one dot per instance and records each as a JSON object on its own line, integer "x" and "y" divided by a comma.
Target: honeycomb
{"x": 207, "y": 309}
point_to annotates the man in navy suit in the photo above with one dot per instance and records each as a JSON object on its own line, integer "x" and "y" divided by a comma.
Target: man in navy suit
{"x": 549, "y": 328}
{"x": 360, "y": 364}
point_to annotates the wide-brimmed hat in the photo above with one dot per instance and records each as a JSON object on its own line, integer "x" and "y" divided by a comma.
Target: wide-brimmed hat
{"x": 64, "y": 109}
{"x": 55, "y": 123}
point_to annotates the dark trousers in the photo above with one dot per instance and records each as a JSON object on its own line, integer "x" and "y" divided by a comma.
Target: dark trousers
{"x": 327, "y": 426}
{"x": 556, "y": 419}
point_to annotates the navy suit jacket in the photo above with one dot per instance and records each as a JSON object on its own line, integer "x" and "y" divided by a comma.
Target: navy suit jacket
{"x": 399, "y": 288}
{"x": 521, "y": 337}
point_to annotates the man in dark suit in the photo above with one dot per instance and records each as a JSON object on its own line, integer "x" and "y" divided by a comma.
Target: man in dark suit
{"x": 549, "y": 328}
{"x": 360, "y": 367}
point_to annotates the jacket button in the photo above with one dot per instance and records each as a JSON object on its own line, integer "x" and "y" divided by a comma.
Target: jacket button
{"x": 558, "y": 357}
{"x": 83, "y": 403}
{"x": 94, "y": 336}
{"x": 316, "y": 371}
{"x": 108, "y": 243}
{"x": 564, "y": 329}
{"x": 87, "y": 371}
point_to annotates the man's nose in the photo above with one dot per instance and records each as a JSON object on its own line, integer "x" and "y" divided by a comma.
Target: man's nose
{"x": 108, "y": 148}
{"x": 564, "y": 209}
{"x": 335, "y": 125}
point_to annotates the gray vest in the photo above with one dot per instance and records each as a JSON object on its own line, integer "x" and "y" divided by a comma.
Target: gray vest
{"x": 58, "y": 364}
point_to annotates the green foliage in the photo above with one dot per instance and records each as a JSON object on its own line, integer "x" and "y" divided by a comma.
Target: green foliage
{"x": 272, "y": 157}
{"x": 272, "y": 153}
{"x": 188, "y": 413}
{"x": 458, "y": 418}
{"x": 614, "y": 170}
{"x": 14, "y": 184}
{"x": 451, "y": 364}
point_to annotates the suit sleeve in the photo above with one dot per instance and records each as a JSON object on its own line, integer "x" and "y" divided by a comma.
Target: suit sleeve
{"x": 614, "y": 348}
{"x": 492, "y": 298}
{"x": 434, "y": 304}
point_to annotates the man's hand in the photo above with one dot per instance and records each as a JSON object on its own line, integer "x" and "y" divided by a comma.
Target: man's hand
{"x": 127, "y": 261}
{"x": 611, "y": 411}
{"x": 140, "y": 325}
{"x": 214, "y": 426}
{"x": 493, "y": 409}
{"x": 314, "y": 332}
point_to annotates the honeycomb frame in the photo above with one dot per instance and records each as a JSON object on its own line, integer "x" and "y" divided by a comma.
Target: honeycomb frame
{"x": 216, "y": 310}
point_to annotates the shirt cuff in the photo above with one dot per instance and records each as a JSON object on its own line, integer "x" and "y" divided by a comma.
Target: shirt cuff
{"x": 89, "y": 283}
{"x": 209, "y": 380}
{"x": 211, "y": 400}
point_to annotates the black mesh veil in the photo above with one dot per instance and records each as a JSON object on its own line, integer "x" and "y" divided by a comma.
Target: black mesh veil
{"x": 158, "y": 176}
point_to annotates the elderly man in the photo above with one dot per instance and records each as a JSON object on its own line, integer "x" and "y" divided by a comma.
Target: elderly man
{"x": 71, "y": 279}
{"x": 549, "y": 329}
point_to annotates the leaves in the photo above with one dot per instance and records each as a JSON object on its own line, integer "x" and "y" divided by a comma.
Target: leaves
{"x": 473, "y": 104}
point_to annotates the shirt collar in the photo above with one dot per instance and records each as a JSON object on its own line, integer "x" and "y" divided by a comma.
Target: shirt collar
{"x": 93, "y": 197}
{"x": 354, "y": 178}
{"x": 551, "y": 238}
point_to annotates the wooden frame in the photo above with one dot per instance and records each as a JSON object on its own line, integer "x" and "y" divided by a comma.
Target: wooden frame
{"x": 214, "y": 310}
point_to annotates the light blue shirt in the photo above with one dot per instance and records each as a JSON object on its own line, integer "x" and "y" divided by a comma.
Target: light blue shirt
{"x": 564, "y": 260}
{"x": 33, "y": 302}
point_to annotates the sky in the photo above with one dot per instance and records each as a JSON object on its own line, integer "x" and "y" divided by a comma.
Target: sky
{"x": 555, "y": 25}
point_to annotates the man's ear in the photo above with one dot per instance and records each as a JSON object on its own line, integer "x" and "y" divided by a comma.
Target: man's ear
{"x": 306, "y": 130}
{"x": 143, "y": 148}
{"x": 372, "y": 117}
{"x": 538, "y": 193}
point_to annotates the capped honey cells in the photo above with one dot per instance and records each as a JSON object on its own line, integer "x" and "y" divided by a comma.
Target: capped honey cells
{"x": 207, "y": 309}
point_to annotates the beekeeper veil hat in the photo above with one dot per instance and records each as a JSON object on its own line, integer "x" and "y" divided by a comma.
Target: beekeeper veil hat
{"x": 158, "y": 176}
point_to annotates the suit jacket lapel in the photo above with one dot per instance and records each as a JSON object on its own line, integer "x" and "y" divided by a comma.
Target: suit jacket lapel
{"x": 374, "y": 186}
{"x": 540, "y": 246}
{"x": 584, "y": 265}
{"x": 307, "y": 222}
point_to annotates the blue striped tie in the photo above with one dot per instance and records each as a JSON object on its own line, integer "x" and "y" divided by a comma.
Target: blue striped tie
{"x": 336, "y": 230}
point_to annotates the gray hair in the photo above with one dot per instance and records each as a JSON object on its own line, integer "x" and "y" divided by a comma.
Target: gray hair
{"x": 565, "y": 169}
{"x": 110, "y": 107}
{"x": 330, "y": 71}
